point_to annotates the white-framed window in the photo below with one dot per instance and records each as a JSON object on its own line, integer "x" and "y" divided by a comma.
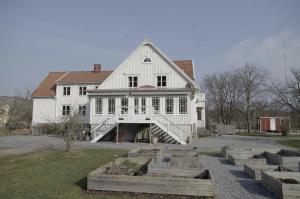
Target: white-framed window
{"x": 161, "y": 80}
{"x": 65, "y": 110}
{"x": 143, "y": 107}
{"x": 136, "y": 105}
{"x": 156, "y": 104}
{"x": 124, "y": 105}
{"x": 66, "y": 90}
{"x": 182, "y": 104}
{"x": 82, "y": 90}
{"x": 169, "y": 105}
{"x": 199, "y": 115}
{"x": 132, "y": 81}
{"x": 81, "y": 109}
{"x": 98, "y": 106}
{"x": 111, "y": 105}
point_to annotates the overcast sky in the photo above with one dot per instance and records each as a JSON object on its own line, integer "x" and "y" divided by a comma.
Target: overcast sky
{"x": 37, "y": 37}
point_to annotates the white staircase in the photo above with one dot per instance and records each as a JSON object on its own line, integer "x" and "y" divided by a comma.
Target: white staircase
{"x": 167, "y": 131}
{"x": 163, "y": 128}
{"x": 103, "y": 128}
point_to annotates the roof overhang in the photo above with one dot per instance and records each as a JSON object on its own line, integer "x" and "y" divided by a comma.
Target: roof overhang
{"x": 139, "y": 92}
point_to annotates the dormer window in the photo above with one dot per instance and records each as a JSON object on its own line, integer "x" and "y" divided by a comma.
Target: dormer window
{"x": 147, "y": 60}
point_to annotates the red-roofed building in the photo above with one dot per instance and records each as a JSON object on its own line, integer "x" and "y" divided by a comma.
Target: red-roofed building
{"x": 147, "y": 88}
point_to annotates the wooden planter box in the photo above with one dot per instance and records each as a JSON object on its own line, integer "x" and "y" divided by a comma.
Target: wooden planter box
{"x": 147, "y": 152}
{"x": 242, "y": 159}
{"x": 99, "y": 180}
{"x": 254, "y": 171}
{"x": 175, "y": 166}
{"x": 271, "y": 180}
{"x": 286, "y": 158}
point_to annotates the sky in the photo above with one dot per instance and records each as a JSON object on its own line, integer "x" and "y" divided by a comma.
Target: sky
{"x": 37, "y": 37}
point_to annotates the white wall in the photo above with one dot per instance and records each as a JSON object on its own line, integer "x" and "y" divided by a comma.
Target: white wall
{"x": 146, "y": 72}
{"x": 43, "y": 110}
{"x": 74, "y": 99}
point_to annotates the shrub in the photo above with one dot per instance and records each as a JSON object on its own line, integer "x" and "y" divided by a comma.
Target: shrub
{"x": 284, "y": 129}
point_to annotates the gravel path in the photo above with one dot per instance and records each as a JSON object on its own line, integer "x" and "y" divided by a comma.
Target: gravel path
{"x": 232, "y": 182}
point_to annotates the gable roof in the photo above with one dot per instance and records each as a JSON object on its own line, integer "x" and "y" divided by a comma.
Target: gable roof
{"x": 187, "y": 67}
{"x": 48, "y": 86}
{"x": 175, "y": 66}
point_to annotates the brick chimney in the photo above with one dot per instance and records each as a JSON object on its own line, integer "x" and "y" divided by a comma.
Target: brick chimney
{"x": 97, "y": 68}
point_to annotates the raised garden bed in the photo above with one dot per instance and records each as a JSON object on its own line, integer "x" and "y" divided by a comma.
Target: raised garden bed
{"x": 254, "y": 171}
{"x": 175, "y": 166}
{"x": 148, "y": 152}
{"x": 283, "y": 184}
{"x": 286, "y": 158}
{"x": 137, "y": 180}
{"x": 246, "y": 158}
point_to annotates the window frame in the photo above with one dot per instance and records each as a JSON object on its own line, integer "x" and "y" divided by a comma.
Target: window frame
{"x": 143, "y": 105}
{"x": 111, "y": 107}
{"x": 124, "y": 106}
{"x": 133, "y": 81}
{"x": 160, "y": 80}
{"x": 169, "y": 106}
{"x": 66, "y": 110}
{"x": 182, "y": 108}
{"x": 82, "y": 110}
{"x": 99, "y": 106}
{"x": 156, "y": 105}
{"x": 136, "y": 105}
{"x": 66, "y": 91}
{"x": 82, "y": 90}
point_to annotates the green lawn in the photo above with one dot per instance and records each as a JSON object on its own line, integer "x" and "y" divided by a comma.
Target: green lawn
{"x": 52, "y": 174}
{"x": 291, "y": 142}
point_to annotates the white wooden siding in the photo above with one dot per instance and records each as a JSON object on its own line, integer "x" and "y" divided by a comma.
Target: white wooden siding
{"x": 146, "y": 72}
{"x": 43, "y": 110}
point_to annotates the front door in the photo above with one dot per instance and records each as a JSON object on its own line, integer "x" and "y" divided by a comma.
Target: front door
{"x": 272, "y": 124}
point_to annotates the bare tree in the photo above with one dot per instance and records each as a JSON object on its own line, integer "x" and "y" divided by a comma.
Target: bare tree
{"x": 224, "y": 92}
{"x": 253, "y": 82}
{"x": 287, "y": 97}
{"x": 288, "y": 94}
{"x": 20, "y": 110}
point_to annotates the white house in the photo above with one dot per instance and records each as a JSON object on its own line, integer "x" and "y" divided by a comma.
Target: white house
{"x": 147, "y": 90}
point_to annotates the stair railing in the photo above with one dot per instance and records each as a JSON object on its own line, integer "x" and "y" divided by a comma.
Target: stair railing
{"x": 170, "y": 126}
{"x": 105, "y": 123}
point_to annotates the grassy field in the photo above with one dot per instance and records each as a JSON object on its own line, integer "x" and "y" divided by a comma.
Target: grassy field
{"x": 291, "y": 142}
{"x": 52, "y": 174}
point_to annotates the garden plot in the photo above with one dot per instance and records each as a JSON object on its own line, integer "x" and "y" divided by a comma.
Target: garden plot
{"x": 131, "y": 175}
{"x": 284, "y": 184}
{"x": 286, "y": 158}
{"x": 246, "y": 158}
{"x": 167, "y": 165}
{"x": 226, "y": 151}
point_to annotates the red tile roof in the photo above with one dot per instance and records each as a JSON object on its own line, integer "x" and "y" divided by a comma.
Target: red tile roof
{"x": 48, "y": 86}
{"x": 84, "y": 77}
{"x": 186, "y": 66}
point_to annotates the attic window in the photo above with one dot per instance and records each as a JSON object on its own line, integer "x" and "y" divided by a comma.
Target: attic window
{"x": 147, "y": 60}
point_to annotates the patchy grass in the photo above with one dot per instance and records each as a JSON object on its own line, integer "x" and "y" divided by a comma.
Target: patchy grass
{"x": 259, "y": 134}
{"x": 291, "y": 143}
{"x": 52, "y": 174}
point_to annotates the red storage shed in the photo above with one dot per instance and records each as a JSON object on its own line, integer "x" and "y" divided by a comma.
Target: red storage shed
{"x": 270, "y": 124}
